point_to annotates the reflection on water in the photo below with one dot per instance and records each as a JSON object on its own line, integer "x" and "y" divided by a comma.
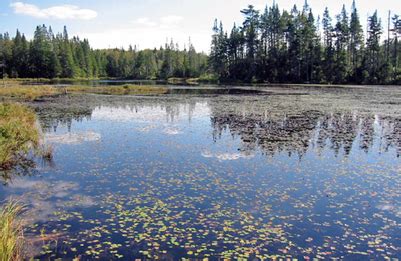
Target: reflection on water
{"x": 269, "y": 129}
{"x": 298, "y": 132}
{"x": 72, "y": 138}
{"x": 250, "y": 176}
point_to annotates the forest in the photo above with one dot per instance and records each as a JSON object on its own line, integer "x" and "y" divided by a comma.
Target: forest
{"x": 59, "y": 56}
{"x": 296, "y": 47}
{"x": 270, "y": 46}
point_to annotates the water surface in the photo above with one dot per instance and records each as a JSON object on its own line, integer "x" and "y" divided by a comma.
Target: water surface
{"x": 277, "y": 172}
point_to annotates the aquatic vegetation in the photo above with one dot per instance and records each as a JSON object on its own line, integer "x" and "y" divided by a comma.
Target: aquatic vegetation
{"x": 118, "y": 90}
{"x": 11, "y": 231}
{"x": 18, "y": 133}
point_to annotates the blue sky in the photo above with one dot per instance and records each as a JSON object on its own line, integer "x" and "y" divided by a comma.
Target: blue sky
{"x": 148, "y": 23}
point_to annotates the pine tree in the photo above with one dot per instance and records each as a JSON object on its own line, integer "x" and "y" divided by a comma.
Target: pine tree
{"x": 218, "y": 55}
{"x": 328, "y": 46}
{"x": 356, "y": 43}
{"x": 372, "y": 61}
{"x": 250, "y": 29}
{"x": 66, "y": 57}
{"x": 342, "y": 31}
{"x": 6, "y": 49}
{"x": 20, "y": 56}
{"x": 395, "y": 61}
{"x": 42, "y": 56}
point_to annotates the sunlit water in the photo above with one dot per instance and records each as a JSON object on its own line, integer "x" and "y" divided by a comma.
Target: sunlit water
{"x": 251, "y": 176}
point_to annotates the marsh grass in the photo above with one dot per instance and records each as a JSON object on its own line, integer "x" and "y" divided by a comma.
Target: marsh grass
{"x": 11, "y": 231}
{"x": 18, "y": 133}
{"x": 27, "y": 93}
{"x": 19, "y": 92}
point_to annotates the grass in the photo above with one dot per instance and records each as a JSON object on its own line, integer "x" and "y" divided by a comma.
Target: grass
{"x": 11, "y": 232}
{"x": 18, "y": 92}
{"x": 18, "y": 133}
{"x": 205, "y": 78}
{"x": 27, "y": 93}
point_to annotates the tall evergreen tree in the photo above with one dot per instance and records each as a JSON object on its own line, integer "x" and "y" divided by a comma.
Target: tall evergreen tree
{"x": 328, "y": 62}
{"x": 42, "y": 56}
{"x": 356, "y": 43}
{"x": 372, "y": 59}
{"x": 251, "y": 33}
{"x": 342, "y": 33}
{"x": 20, "y": 56}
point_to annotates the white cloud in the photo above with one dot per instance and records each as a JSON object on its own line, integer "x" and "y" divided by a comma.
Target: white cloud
{"x": 145, "y": 37}
{"x": 172, "y": 131}
{"x": 73, "y": 138}
{"x": 145, "y": 21}
{"x": 150, "y": 115}
{"x": 55, "y": 12}
{"x": 170, "y": 21}
{"x": 221, "y": 156}
{"x": 145, "y": 32}
{"x": 165, "y": 22}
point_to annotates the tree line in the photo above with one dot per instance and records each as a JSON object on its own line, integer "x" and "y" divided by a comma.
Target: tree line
{"x": 295, "y": 47}
{"x": 50, "y": 55}
{"x": 273, "y": 45}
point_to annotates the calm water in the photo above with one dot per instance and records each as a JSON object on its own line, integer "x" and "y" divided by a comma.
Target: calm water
{"x": 211, "y": 175}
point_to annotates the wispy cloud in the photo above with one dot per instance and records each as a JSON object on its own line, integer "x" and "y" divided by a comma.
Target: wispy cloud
{"x": 147, "y": 32}
{"x": 62, "y": 12}
{"x": 171, "y": 21}
{"x": 165, "y": 22}
{"x": 144, "y": 21}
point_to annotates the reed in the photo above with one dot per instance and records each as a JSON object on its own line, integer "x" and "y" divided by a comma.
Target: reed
{"x": 11, "y": 231}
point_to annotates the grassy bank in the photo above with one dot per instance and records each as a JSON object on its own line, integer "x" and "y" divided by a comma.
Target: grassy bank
{"x": 19, "y": 92}
{"x": 11, "y": 232}
{"x": 206, "y": 79}
{"x": 18, "y": 133}
{"x": 27, "y": 93}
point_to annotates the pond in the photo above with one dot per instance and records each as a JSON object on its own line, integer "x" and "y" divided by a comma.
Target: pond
{"x": 275, "y": 172}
